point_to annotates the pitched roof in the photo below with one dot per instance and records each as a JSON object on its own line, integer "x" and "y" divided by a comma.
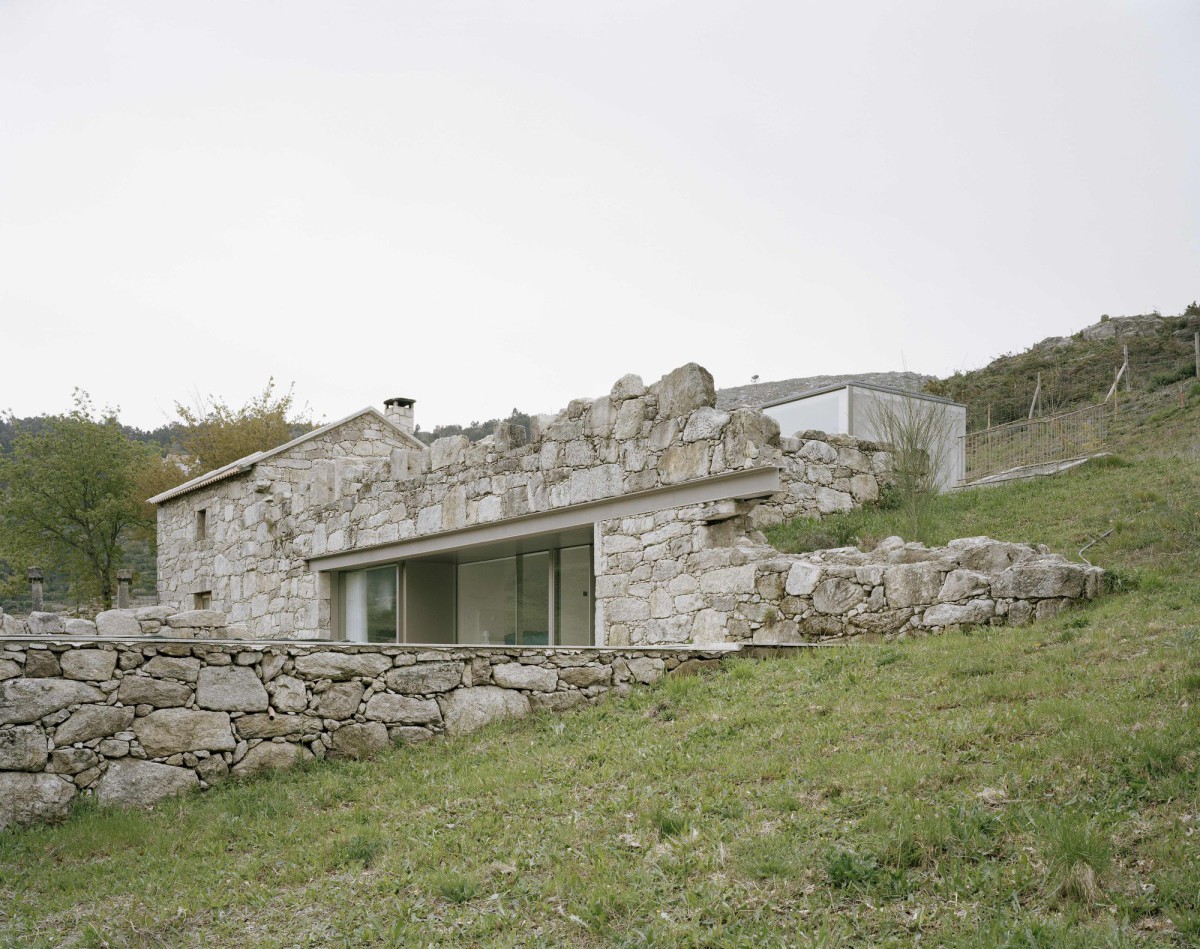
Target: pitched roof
{"x": 243, "y": 465}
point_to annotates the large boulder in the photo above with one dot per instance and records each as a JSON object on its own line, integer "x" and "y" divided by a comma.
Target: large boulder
{"x": 963, "y": 585}
{"x": 984, "y": 555}
{"x": 837, "y": 596}
{"x": 684, "y": 390}
{"x": 44, "y": 624}
{"x": 271, "y": 756}
{"x": 1040, "y": 581}
{"x": 182, "y": 668}
{"x": 79, "y": 627}
{"x": 197, "y": 619}
{"x": 912, "y": 584}
{"x": 465, "y": 710}
{"x": 261, "y": 725}
{"x": 118, "y": 624}
{"x": 748, "y": 431}
{"x": 341, "y": 665}
{"x": 516, "y": 675}
{"x": 340, "y": 700}
{"x": 143, "y": 690}
{"x": 704, "y": 424}
{"x": 27, "y": 700}
{"x": 646, "y": 669}
{"x": 33, "y": 798}
{"x": 129, "y": 782}
{"x": 402, "y": 710}
{"x": 288, "y": 694}
{"x": 93, "y": 721}
{"x": 231, "y": 689}
{"x": 584, "y": 676}
{"x": 358, "y": 741}
{"x": 802, "y": 579}
{"x": 96, "y": 665}
{"x": 22, "y": 748}
{"x": 683, "y": 463}
{"x": 172, "y": 730}
{"x": 42, "y": 664}
{"x": 627, "y": 387}
{"x": 950, "y": 614}
{"x": 426, "y": 677}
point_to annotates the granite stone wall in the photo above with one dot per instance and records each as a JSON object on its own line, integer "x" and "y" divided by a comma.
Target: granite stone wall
{"x": 245, "y": 560}
{"x": 680, "y": 576}
{"x": 132, "y": 721}
{"x": 635, "y": 438}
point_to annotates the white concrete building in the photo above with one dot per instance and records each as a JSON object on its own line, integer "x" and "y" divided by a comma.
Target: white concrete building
{"x": 866, "y": 411}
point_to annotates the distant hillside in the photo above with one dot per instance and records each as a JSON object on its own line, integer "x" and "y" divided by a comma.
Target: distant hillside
{"x": 760, "y": 393}
{"x": 1079, "y": 369}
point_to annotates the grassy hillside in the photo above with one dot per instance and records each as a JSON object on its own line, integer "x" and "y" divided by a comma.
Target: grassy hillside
{"x": 996, "y": 787}
{"x": 1074, "y": 372}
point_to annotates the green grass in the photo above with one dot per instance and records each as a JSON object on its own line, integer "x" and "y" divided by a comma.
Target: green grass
{"x": 995, "y": 787}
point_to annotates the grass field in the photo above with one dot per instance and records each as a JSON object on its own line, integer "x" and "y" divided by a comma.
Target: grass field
{"x": 995, "y": 787}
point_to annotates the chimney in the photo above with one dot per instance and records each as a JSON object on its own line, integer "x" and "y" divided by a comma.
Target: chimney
{"x": 400, "y": 413}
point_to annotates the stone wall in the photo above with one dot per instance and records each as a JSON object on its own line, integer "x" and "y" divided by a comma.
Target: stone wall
{"x": 635, "y": 438}
{"x": 246, "y": 560}
{"x": 143, "y": 621}
{"x": 681, "y": 577}
{"x": 131, "y": 721}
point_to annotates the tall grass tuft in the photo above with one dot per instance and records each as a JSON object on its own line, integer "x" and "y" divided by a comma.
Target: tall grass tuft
{"x": 1078, "y": 858}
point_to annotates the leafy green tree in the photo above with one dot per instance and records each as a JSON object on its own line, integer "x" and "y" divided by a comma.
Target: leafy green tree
{"x": 215, "y": 434}
{"x": 68, "y": 498}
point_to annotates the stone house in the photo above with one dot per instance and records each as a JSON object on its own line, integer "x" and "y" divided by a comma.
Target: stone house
{"x": 633, "y": 519}
{"x": 616, "y": 521}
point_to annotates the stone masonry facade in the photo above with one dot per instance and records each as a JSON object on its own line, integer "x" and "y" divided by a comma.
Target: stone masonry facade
{"x": 132, "y": 721}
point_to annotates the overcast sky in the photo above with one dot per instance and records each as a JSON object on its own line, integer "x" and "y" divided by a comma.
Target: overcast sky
{"x": 493, "y": 205}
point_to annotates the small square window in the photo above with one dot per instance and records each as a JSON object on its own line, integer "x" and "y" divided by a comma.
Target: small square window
{"x": 202, "y": 601}
{"x": 201, "y": 524}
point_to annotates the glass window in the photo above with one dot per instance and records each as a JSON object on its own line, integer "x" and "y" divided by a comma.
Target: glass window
{"x": 504, "y": 601}
{"x": 533, "y": 598}
{"x": 487, "y": 600}
{"x": 368, "y": 605}
{"x": 573, "y": 597}
{"x": 428, "y": 602}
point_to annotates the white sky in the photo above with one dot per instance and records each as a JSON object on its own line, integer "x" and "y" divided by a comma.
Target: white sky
{"x": 494, "y": 205}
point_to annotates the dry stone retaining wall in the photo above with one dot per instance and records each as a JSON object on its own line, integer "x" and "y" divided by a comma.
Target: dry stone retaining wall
{"x": 678, "y": 577}
{"x": 118, "y": 624}
{"x": 130, "y": 721}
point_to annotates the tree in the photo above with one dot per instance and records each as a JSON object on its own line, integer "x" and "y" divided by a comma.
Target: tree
{"x": 216, "y": 434}
{"x": 67, "y": 497}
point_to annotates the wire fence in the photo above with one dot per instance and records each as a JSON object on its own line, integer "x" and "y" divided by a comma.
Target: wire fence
{"x": 1036, "y": 441}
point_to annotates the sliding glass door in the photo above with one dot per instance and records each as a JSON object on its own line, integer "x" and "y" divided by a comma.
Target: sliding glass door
{"x": 573, "y": 597}
{"x": 505, "y": 601}
{"x": 535, "y": 598}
